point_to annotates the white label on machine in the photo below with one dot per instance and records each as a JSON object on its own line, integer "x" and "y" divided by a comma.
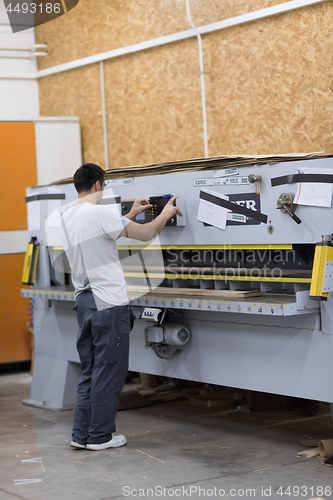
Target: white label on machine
{"x": 314, "y": 194}
{"x": 151, "y": 314}
{"x": 119, "y": 182}
{"x": 223, "y": 181}
{"x": 236, "y": 217}
{"x": 213, "y": 214}
{"x": 224, "y": 172}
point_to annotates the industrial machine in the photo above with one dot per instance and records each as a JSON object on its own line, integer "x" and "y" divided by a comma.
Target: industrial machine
{"x": 235, "y": 292}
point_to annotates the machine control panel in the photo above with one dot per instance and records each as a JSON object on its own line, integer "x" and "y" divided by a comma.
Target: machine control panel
{"x": 150, "y": 214}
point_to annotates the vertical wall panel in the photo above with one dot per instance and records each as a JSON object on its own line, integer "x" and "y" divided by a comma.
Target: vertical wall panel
{"x": 58, "y": 149}
{"x": 18, "y": 171}
{"x": 15, "y": 338}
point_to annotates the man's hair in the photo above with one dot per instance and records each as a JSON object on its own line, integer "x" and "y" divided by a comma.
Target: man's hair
{"x": 86, "y": 176}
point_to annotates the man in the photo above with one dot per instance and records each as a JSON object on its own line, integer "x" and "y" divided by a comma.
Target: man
{"x": 89, "y": 233}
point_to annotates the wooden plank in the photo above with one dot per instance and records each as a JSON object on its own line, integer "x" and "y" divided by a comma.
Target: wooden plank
{"x": 202, "y": 164}
{"x": 231, "y": 294}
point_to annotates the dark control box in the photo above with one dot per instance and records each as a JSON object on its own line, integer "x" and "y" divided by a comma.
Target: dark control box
{"x": 150, "y": 214}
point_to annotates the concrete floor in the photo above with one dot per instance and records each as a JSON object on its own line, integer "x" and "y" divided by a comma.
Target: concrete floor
{"x": 172, "y": 445}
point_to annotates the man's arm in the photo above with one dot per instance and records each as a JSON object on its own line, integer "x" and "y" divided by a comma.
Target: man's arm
{"x": 149, "y": 231}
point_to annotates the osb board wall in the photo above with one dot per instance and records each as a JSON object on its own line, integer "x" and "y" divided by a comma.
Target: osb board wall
{"x": 94, "y": 27}
{"x": 153, "y": 106}
{"x": 268, "y": 83}
{"x": 77, "y": 93}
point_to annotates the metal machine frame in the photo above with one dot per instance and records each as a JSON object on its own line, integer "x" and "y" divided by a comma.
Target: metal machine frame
{"x": 277, "y": 343}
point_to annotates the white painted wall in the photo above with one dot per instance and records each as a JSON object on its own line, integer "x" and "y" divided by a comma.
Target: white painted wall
{"x": 58, "y": 148}
{"x": 13, "y": 242}
{"x": 18, "y": 98}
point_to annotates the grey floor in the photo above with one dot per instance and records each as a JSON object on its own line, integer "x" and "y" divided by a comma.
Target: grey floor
{"x": 172, "y": 445}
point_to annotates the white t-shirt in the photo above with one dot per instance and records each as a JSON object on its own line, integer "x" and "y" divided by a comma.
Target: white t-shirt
{"x": 89, "y": 234}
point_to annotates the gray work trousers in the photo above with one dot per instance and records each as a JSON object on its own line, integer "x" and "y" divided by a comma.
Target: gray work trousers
{"x": 103, "y": 346}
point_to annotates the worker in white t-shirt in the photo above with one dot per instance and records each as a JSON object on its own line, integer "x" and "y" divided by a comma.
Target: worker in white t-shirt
{"x": 89, "y": 233}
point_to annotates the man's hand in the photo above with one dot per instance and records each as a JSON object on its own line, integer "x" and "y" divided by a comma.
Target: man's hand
{"x": 139, "y": 206}
{"x": 170, "y": 210}
{"x": 149, "y": 231}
